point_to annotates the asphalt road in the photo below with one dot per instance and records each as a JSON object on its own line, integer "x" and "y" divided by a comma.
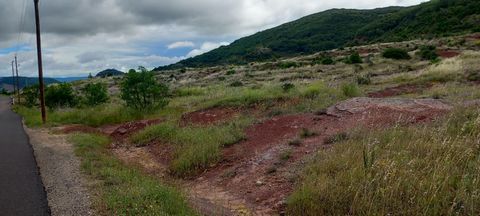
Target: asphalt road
{"x": 21, "y": 189}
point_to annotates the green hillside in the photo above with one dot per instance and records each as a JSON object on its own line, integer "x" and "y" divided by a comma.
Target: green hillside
{"x": 345, "y": 27}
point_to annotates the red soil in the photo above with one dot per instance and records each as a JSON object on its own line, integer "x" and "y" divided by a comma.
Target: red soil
{"x": 448, "y": 53}
{"x": 79, "y": 129}
{"x": 210, "y": 116}
{"x": 399, "y": 90}
{"x": 253, "y": 172}
{"x": 125, "y": 130}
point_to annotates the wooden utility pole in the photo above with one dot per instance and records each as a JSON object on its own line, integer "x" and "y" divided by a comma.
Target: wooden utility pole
{"x": 40, "y": 65}
{"x": 17, "y": 80}
{"x": 13, "y": 79}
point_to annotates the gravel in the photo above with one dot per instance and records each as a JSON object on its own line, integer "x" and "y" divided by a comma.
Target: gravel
{"x": 66, "y": 187}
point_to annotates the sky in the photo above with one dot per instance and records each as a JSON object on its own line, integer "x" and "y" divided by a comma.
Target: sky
{"x": 87, "y": 36}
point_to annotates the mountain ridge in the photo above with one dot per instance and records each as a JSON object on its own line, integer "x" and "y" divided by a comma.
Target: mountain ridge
{"x": 337, "y": 28}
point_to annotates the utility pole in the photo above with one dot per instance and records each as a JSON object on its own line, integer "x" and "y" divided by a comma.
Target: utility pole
{"x": 40, "y": 65}
{"x": 17, "y": 81}
{"x": 13, "y": 79}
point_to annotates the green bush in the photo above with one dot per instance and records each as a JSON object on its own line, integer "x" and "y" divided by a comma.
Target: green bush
{"x": 364, "y": 80}
{"x": 286, "y": 65}
{"x": 396, "y": 53}
{"x": 230, "y": 72}
{"x": 236, "y": 84}
{"x": 325, "y": 60}
{"x": 31, "y": 95}
{"x": 354, "y": 58}
{"x": 287, "y": 87}
{"x": 95, "y": 94}
{"x": 473, "y": 76}
{"x": 351, "y": 90}
{"x": 428, "y": 53}
{"x": 60, "y": 95}
{"x": 140, "y": 90}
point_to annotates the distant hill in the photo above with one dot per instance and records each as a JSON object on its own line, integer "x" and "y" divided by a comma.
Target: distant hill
{"x": 70, "y": 79}
{"x": 7, "y": 82}
{"x": 109, "y": 73}
{"x": 338, "y": 28}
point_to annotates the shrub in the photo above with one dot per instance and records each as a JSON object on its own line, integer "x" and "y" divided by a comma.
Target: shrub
{"x": 287, "y": 87}
{"x": 396, "y": 53}
{"x": 60, "y": 95}
{"x": 236, "y": 84}
{"x": 95, "y": 94}
{"x": 428, "y": 53}
{"x": 351, "y": 90}
{"x": 325, "y": 60}
{"x": 230, "y": 72}
{"x": 31, "y": 95}
{"x": 286, "y": 65}
{"x": 140, "y": 90}
{"x": 354, "y": 58}
{"x": 473, "y": 76}
{"x": 364, "y": 80}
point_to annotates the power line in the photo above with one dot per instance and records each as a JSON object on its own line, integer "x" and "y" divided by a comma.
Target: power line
{"x": 21, "y": 25}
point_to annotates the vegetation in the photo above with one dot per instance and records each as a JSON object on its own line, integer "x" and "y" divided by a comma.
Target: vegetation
{"x": 341, "y": 27}
{"x": 354, "y": 58}
{"x": 428, "y": 53}
{"x": 60, "y": 95}
{"x": 396, "y": 53}
{"x": 372, "y": 174}
{"x": 95, "y": 94}
{"x": 195, "y": 147}
{"x": 351, "y": 90}
{"x": 124, "y": 190}
{"x": 31, "y": 96}
{"x": 141, "y": 91}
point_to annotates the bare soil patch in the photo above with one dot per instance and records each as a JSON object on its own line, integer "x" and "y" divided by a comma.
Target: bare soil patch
{"x": 78, "y": 129}
{"x": 400, "y": 90}
{"x": 210, "y": 116}
{"x": 256, "y": 177}
{"x": 448, "y": 53}
{"x": 126, "y": 130}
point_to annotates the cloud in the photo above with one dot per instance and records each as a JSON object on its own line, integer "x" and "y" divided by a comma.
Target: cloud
{"x": 207, "y": 46}
{"x": 90, "y": 35}
{"x": 181, "y": 44}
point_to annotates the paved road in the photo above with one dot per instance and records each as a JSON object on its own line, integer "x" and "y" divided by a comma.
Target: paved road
{"x": 21, "y": 189}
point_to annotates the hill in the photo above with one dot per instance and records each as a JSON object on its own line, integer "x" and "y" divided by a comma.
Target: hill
{"x": 70, "y": 79}
{"x": 109, "y": 73}
{"x": 7, "y": 82}
{"x": 338, "y": 28}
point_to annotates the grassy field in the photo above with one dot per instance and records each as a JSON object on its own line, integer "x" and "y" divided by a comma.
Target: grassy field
{"x": 123, "y": 190}
{"x": 417, "y": 170}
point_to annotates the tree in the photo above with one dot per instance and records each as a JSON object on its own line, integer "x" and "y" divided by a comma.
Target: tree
{"x": 31, "y": 95}
{"x": 140, "y": 90}
{"x": 90, "y": 76}
{"x": 95, "y": 94}
{"x": 60, "y": 95}
{"x": 396, "y": 53}
{"x": 428, "y": 53}
{"x": 354, "y": 58}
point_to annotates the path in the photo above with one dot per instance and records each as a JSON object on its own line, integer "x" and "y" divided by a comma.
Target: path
{"x": 21, "y": 189}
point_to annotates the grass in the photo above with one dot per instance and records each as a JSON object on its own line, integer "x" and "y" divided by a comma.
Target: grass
{"x": 196, "y": 147}
{"x": 123, "y": 190}
{"x": 91, "y": 116}
{"x": 416, "y": 170}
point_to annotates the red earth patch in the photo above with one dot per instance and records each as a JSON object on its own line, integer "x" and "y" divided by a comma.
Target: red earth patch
{"x": 448, "y": 53}
{"x": 254, "y": 171}
{"x": 210, "y": 116}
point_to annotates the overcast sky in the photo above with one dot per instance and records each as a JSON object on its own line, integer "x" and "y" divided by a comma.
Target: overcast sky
{"x": 86, "y": 36}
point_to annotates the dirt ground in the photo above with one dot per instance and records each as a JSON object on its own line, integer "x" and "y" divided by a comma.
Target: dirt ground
{"x": 66, "y": 187}
{"x": 255, "y": 175}
{"x": 400, "y": 90}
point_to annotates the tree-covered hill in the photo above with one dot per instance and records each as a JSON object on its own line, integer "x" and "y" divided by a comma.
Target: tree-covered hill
{"x": 346, "y": 27}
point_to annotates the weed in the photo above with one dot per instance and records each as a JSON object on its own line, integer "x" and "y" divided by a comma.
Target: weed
{"x": 351, "y": 90}
{"x": 306, "y": 133}
{"x": 230, "y": 72}
{"x": 287, "y": 87}
{"x": 236, "y": 84}
{"x": 340, "y": 137}
{"x": 124, "y": 190}
{"x": 295, "y": 142}
{"x": 285, "y": 155}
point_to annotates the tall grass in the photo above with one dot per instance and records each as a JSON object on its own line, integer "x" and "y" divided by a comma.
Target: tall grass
{"x": 91, "y": 116}
{"x": 195, "y": 147}
{"x": 417, "y": 170}
{"x": 123, "y": 190}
